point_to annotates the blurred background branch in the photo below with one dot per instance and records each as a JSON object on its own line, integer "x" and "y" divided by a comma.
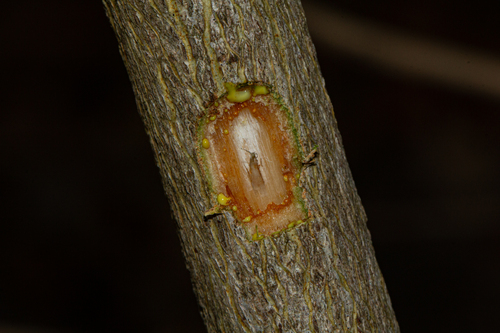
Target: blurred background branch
{"x": 402, "y": 53}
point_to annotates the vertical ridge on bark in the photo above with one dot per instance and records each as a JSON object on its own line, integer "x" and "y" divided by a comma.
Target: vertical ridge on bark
{"x": 319, "y": 277}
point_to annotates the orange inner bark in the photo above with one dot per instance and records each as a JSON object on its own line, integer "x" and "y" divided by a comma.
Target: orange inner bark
{"x": 229, "y": 156}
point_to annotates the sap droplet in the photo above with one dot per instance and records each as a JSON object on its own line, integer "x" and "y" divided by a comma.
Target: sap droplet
{"x": 261, "y": 90}
{"x": 235, "y": 96}
{"x": 205, "y": 143}
{"x": 223, "y": 200}
{"x": 257, "y": 237}
{"x": 247, "y": 219}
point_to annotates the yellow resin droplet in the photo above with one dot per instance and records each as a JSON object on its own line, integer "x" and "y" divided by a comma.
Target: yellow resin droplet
{"x": 257, "y": 237}
{"x": 235, "y": 96}
{"x": 216, "y": 104}
{"x": 226, "y": 131}
{"x": 205, "y": 143}
{"x": 213, "y": 118}
{"x": 285, "y": 178}
{"x": 247, "y": 219}
{"x": 261, "y": 90}
{"x": 235, "y": 208}
{"x": 223, "y": 200}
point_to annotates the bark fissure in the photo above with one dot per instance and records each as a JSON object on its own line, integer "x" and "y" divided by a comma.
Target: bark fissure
{"x": 240, "y": 28}
{"x": 183, "y": 34}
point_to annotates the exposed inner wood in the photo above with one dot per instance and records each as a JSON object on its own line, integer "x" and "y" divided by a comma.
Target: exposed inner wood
{"x": 254, "y": 163}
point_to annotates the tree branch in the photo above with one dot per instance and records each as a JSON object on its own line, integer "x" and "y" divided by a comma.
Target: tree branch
{"x": 319, "y": 276}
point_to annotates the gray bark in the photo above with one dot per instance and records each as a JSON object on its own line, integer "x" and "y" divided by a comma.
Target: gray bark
{"x": 319, "y": 277}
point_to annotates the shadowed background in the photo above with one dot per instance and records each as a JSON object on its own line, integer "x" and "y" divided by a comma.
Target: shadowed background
{"x": 87, "y": 243}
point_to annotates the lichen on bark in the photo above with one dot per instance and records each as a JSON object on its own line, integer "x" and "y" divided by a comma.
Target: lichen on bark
{"x": 319, "y": 277}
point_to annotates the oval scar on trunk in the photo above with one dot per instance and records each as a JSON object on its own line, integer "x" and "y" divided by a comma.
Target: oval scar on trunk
{"x": 251, "y": 157}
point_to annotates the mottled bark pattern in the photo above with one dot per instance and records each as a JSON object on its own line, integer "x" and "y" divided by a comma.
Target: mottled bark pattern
{"x": 319, "y": 277}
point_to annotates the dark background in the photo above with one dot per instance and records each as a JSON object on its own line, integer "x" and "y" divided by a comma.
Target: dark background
{"x": 87, "y": 243}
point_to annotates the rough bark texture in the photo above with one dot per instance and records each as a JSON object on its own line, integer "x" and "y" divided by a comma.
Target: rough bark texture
{"x": 319, "y": 277}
